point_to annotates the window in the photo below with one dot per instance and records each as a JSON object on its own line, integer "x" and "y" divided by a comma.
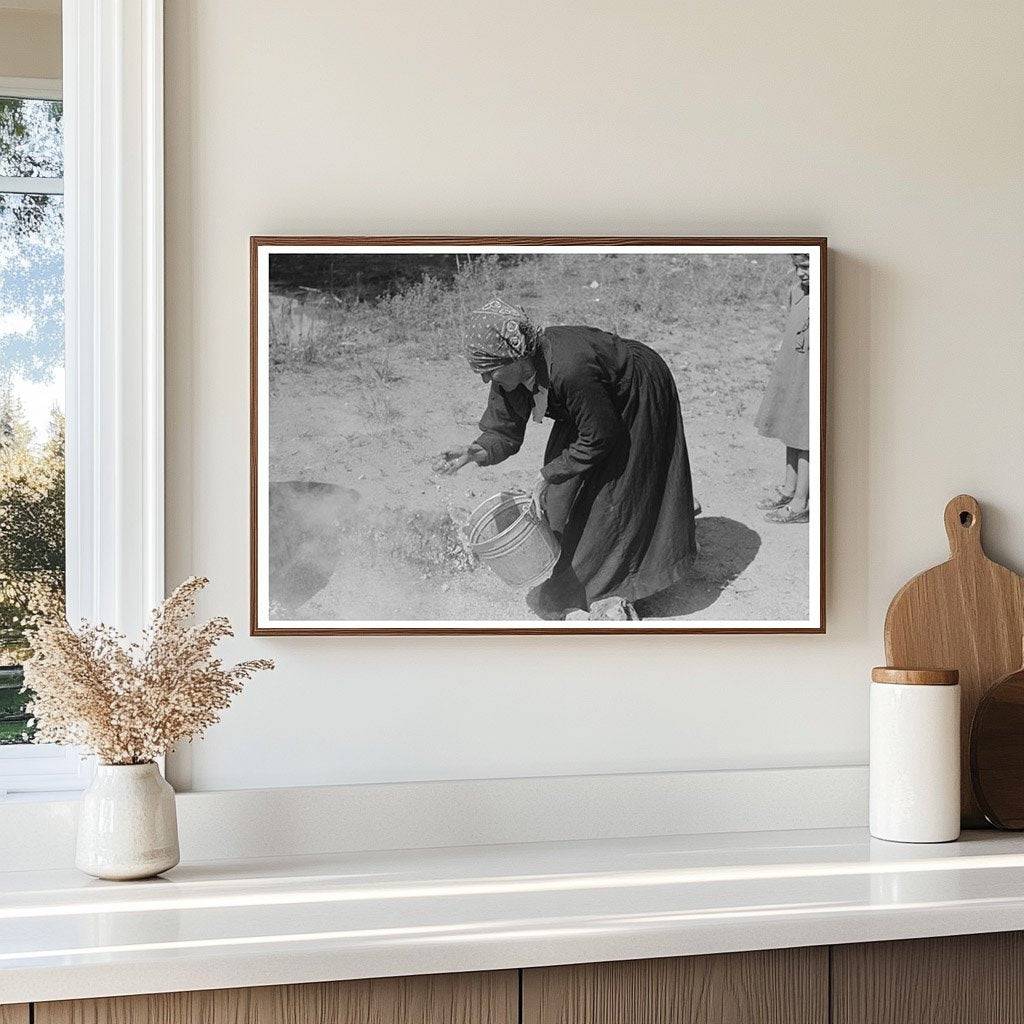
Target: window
{"x": 32, "y": 514}
{"x": 109, "y": 208}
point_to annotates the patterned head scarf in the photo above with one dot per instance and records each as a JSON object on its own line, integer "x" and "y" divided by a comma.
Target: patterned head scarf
{"x": 496, "y": 334}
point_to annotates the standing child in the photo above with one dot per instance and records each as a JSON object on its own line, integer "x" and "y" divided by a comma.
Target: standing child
{"x": 784, "y": 411}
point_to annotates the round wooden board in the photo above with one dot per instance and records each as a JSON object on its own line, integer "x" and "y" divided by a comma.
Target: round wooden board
{"x": 997, "y": 752}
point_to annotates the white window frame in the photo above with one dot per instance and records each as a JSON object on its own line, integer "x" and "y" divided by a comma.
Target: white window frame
{"x": 114, "y": 324}
{"x": 32, "y": 88}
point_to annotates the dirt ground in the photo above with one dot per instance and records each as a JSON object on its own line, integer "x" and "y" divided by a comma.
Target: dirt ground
{"x": 371, "y": 416}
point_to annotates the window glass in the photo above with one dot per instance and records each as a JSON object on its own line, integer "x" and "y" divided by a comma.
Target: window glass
{"x": 31, "y": 388}
{"x": 31, "y": 138}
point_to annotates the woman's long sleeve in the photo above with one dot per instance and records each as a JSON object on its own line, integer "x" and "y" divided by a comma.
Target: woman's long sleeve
{"x": 599, "y": 428}
{"x": 503, "y": 423}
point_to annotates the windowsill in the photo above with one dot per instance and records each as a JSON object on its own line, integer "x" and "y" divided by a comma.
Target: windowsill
{"x": 304, "y": 919}
{"x": 36, "y": 772}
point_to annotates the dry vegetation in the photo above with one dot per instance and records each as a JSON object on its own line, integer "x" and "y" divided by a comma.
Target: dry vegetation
{"x": 364, "y": 394}
{"x": 129, "y": 703}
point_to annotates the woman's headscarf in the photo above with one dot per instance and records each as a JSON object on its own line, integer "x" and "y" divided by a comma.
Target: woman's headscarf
{"x": 496, "y": 334}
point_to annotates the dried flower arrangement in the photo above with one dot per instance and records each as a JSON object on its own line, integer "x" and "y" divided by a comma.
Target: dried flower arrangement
{"x": 129, "y": 703}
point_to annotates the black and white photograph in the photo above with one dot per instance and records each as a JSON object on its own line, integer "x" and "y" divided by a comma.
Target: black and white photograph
{"x": 524, "y": 435}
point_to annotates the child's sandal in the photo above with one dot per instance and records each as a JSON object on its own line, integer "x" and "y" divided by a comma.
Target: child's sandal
{"x": 775, "y": 498}
{"x": 787, "y": 515}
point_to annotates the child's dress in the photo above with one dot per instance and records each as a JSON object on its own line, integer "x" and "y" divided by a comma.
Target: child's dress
{"x": 785, "y": 409}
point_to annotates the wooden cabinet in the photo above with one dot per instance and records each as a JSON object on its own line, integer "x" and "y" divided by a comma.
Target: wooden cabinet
{"x": 962, "y": 979}
{"x": 491, "y": 998}
{"x": 970, "y": 979}
{"x": 777, "y": 986}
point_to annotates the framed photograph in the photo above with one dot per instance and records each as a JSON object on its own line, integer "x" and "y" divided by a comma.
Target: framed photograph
{"x": 537, "y": 435}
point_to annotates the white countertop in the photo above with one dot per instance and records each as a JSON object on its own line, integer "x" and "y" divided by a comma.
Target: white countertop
{"x": 261, "y": 922}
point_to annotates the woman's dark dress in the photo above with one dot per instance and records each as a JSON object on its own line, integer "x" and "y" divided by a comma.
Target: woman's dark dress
{"x": 620, "y": 494}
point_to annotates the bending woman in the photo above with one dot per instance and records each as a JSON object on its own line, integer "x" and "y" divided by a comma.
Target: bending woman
{"x": 615, "y": 484}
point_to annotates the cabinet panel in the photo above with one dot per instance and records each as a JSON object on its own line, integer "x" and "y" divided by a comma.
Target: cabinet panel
{"x": 778, "y": 986}
{"x": 14, "y": 1013}
{"x": 962, "y": 979}
{"x": 482, "y": 998}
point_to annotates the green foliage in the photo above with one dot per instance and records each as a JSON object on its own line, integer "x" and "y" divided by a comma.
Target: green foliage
{"x": 32, "y": 511}
{"x": 32, "y": 552}
{"x": 14, "y": 726}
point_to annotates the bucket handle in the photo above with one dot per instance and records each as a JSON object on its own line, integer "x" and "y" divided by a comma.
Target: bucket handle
{"x": 531, "y": 511}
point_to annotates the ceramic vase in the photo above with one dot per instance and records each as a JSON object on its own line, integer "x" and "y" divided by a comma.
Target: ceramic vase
{"x": 127, "y": 825}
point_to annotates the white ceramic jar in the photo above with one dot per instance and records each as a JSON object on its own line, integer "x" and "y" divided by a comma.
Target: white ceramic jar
{"x": 127, "y": 824}
{"x": 915, "y": 755}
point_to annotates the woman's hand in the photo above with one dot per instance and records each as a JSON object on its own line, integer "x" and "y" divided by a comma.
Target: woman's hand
{"x": 538, "y": 497}
{"x": 452, "y": 460}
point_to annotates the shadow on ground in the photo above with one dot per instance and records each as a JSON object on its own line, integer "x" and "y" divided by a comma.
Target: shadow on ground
{"x": 727, "y": 547}
{"x": 306, "y": 523}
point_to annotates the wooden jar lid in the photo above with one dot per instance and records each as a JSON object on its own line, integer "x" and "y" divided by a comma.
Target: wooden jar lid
{"x": 916, "y": 676}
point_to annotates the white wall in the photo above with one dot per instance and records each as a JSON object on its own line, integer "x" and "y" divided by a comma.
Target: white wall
{"x": 895, "y": 129}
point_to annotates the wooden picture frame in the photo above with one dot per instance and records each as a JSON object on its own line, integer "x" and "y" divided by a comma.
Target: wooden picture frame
{"x": 261, "y": 247}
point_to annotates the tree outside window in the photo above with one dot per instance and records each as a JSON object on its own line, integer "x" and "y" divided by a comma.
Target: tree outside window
{"x": 31, "y": 387}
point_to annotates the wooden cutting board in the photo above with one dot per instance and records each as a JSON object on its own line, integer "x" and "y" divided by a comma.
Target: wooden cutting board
{"x": 967, "y": 614}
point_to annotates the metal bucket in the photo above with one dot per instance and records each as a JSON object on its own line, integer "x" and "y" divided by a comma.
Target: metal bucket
{"x": 506, "y": 535}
